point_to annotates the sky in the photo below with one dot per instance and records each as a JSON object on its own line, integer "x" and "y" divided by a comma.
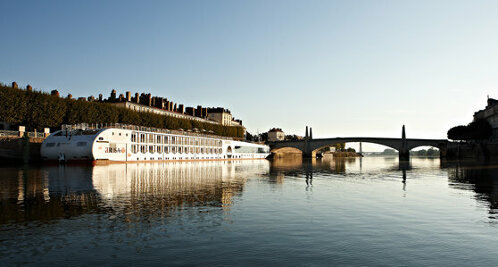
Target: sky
{"x": 345, "y": 68}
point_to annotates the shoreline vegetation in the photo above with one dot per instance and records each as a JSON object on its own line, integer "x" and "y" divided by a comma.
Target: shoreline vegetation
{"x": 342, "y": 154}
{"x": 38, "y": 110}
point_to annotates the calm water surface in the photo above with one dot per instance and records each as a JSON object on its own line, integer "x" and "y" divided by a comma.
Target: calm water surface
{"x": 370, "y": 211}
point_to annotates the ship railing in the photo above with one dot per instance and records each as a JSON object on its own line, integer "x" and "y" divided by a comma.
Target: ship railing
{"x": 10, "y": 134}
{"x": 97, "y": 126}
{"x": 35, "y": 134}
{"x": 7, "y": 133}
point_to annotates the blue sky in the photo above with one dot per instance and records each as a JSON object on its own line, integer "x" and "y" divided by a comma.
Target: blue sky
{"x": 346, "y": 68}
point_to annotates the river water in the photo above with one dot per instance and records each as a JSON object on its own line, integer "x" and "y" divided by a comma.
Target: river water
{"x": 370, "y": 211}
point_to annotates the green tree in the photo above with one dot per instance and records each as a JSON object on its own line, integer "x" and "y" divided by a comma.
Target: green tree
{"x": 37, "y": 110}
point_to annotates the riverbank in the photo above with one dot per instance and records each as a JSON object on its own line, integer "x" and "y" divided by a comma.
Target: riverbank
{"x": 342, "y": 154}
{"x": 20, "y": 150}
{"x": 475, "y": 151}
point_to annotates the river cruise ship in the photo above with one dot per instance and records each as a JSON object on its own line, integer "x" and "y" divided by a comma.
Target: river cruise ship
{"x": 126, "y": 143}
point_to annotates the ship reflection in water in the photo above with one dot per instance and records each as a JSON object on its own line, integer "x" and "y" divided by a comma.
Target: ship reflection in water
{"x": 137, "y": 190}
{"x": 349, "y": 211}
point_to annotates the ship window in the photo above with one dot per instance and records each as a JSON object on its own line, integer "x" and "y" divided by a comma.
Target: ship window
{"x": 81, "y": 144}
{"x": 159, "y": 149}
{"x": 142, "y": 149}
{"x": 191, "y": 150}
{"x": 112, "y": 133}
{"x": 151, "y": 149}
{"x": 262, "y": 150}
{"x": 101, "y": 138}
{"x": 49, "y": 144}
{"x": 119, "y": 134}
{"x": 173, "y": 150}
{"x": 166, "y": 150}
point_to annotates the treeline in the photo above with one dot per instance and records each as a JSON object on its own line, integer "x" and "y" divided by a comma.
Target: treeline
{"x": 339, "y": 147}
{"x": 476, "y": 130}
{"x": 38, "y": 110}
{"x": 389, "y": 152}
{"x": 431, "y": 152}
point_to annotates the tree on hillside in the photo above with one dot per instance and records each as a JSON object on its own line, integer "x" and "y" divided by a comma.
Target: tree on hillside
{"x": 340, "y": 146}
{"x": 476, "y": 130}
{"x": 38, "y": 110}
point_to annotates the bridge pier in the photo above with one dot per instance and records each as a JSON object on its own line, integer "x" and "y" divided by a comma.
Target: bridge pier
{"x": 308, "y": 152}
{"x": 404, "y": 153}
{"x": 309, "y": 155}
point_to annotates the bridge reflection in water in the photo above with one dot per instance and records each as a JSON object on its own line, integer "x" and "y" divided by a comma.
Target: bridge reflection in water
{"x": 136, "y": 190}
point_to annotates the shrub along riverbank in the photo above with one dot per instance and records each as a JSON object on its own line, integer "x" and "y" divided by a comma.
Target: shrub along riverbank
{"x": 37, "y": 110}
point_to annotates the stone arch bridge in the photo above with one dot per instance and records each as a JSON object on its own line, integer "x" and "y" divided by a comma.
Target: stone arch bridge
{"x": 308, "y": 146}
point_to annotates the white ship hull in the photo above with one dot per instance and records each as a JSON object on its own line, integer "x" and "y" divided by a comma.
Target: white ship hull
{"x": 125, "y": 145}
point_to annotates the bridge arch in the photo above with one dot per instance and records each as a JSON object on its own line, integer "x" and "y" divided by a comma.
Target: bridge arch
{"x": 320, "y": 143}
{"x": 332, "y": 144}
{"x": 286, "y": 148}
{"x": 428, "y": 152}
{"x": 430, "y": 146}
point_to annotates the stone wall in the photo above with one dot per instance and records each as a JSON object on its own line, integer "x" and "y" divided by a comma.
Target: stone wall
{"x": 20, "y": 150}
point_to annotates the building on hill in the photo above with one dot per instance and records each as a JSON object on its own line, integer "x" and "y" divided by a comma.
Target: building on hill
{"x": 490, "y": 113}
{"x": 144, "y": 108}
{"x": 159, "y": 105}
{"x": 276, "y": 134}
{"x": 222, "y": 116}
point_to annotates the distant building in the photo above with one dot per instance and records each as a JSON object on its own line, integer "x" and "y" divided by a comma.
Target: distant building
{"x": 276, "y": 134}
{"x": 220, "y": 115}
{"x": 151, "y": 109}
{"x": 490, "y": 113}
